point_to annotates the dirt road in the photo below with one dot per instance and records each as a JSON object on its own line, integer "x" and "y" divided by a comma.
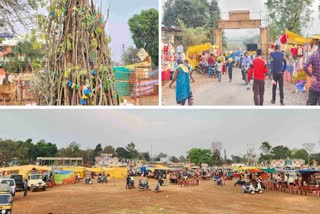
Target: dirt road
{"x": 115, "y": 199}
{"x": 209, "y": 92}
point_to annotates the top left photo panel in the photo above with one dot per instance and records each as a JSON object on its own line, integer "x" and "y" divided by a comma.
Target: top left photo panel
{"x": 79, "y": 53}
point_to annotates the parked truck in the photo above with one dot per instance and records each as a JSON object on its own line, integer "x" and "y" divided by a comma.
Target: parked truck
{"x": 35, "y": 182}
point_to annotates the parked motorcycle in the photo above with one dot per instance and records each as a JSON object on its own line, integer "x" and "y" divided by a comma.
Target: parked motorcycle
{"x": 220, "y": 182}
{"x": 144, "y": 185}
{"x": 250, "y": 188}
{"x": 239, "y": 182}
{"x": 88, "y": 180}
{"x": 102, "y": 179}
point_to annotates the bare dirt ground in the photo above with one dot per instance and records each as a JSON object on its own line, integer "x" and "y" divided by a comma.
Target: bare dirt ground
{"x": 209, "y": 92}
{"x": 115, "y": 199}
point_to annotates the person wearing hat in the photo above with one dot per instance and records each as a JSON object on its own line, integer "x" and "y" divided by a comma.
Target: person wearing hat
{"x": 278, "y": 65}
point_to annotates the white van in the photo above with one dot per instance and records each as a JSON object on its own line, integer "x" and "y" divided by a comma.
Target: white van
{"x": 11, "y": 182}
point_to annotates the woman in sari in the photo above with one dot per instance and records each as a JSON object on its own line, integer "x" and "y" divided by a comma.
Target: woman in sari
{"x": 183, "y": 89}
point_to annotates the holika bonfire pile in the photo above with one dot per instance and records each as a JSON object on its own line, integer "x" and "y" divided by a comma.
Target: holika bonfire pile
{"x": 78, "y": 65}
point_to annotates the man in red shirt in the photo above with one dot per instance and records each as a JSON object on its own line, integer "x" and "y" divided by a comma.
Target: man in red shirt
{"x": 259, "y": 70}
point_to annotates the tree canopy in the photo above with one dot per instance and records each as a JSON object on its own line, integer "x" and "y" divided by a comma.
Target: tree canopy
{"x": 145, "y": 32}
{"x": 293, "y": 15}
{"x": 199, "y": 156}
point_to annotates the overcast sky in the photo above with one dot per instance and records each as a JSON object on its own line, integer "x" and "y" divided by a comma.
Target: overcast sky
{"x": 257, "y": 6}
{"x": 121, "y": 11}
{"x": 171, "y": 131}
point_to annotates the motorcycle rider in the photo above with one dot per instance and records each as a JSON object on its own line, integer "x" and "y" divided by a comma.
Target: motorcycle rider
{"x": 246, "y": 63}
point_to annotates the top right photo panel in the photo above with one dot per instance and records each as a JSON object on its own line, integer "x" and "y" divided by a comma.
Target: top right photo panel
{"x": 240, "y": 53}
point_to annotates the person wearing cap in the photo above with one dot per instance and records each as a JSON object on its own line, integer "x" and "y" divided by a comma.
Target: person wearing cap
{"x": 278, "y": 65}
{"x": 258, "y": 69}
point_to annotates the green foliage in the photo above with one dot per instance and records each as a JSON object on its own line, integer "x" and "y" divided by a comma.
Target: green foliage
{"x": 26, "y": 152}
{"x": 265, "y": 147}
{"x": 293, "y": 15}
{"x": 25, "y": 53}
{"x": 281, "y": 152}
{"x": 194, "y": 36}
{"x": 145, "y": 32}
{"x": 122, "y": 153}
{"x": 199, "y": 156}
{"x": 193, "y": 13}
{"x": 133, "y": 153}
{"x": 197, "y": 18}
{"x": 301, "y": 154}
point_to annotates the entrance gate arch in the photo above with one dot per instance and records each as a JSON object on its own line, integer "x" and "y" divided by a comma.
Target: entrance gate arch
{"x": 240, "y": 19}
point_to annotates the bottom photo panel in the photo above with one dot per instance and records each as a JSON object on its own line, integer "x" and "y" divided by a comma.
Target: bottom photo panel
{"x": 159, "y": 161}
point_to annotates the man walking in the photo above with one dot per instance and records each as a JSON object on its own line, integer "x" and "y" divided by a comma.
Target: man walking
{"x": 314, "y": 92}
{"x": 25, "y": 188}
{"x": 259, "y": 70}
{"x": 278, "y": 66}
{"x": 246, "y": 62}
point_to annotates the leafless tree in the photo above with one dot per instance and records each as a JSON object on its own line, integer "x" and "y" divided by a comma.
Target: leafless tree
{"x": 18, "y": 14}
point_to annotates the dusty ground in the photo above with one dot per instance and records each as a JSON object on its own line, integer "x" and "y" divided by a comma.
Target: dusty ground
{"x": 209, "y": 92}
{"x": 115, "y": 199}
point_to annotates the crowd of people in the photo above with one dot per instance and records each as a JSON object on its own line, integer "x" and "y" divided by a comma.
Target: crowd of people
{"x": 253, "y": 68}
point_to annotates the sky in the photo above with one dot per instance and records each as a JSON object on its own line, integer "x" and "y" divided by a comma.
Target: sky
{"x": 121, "y": 11}
{"x": 257, "y": 6}
{"x": 173, "y": 132}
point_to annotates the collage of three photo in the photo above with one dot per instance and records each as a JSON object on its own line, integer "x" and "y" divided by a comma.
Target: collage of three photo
{"x": 159, "y": 106}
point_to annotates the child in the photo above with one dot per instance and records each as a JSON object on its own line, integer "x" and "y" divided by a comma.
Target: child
{"x": 219, "y": 69}
{"x": 229, "y": 68}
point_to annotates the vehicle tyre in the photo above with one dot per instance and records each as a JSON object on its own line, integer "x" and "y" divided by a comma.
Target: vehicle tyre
{"x": 43, "y": 188}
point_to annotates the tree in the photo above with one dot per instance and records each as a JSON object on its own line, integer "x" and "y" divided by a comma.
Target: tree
{"x": 301, "y": 154}
{"x": 45, "y": 149}
{"x": 122, "y": 153}
{"x": 98, "y": 150}
{"x": 182, "y": 159}
{"x": 193, "y": 13}
{"x": 265, "y": 147}
{"x": 174, "y": 159}
{"x": 129, "y": 57}
{"x": 215, "y": 16}
{"x": 146, "y": 156}
{"x": 13, "y": 12}
{"x": 162, "y": 155}
{"x": 145, "y": 32}
{"x": 199, "y": 156}
{"x": 109, "y": 150}
{"x": 216, "y": 157}
{"x": 194, "y": 36}
{"x": 280, "y": 152}
{"x": 133, "y": 153}
{"x": 237, "y": 159}
{"x": 293, "y": 15}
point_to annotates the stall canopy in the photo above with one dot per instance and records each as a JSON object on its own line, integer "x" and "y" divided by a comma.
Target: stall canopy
{"x": 194, "y": 51}
{"x": 295, "y": 39}
{"x": 269, "y": 170}
{"x": 307, "y": 171}
{"x": 24, "y": 170}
